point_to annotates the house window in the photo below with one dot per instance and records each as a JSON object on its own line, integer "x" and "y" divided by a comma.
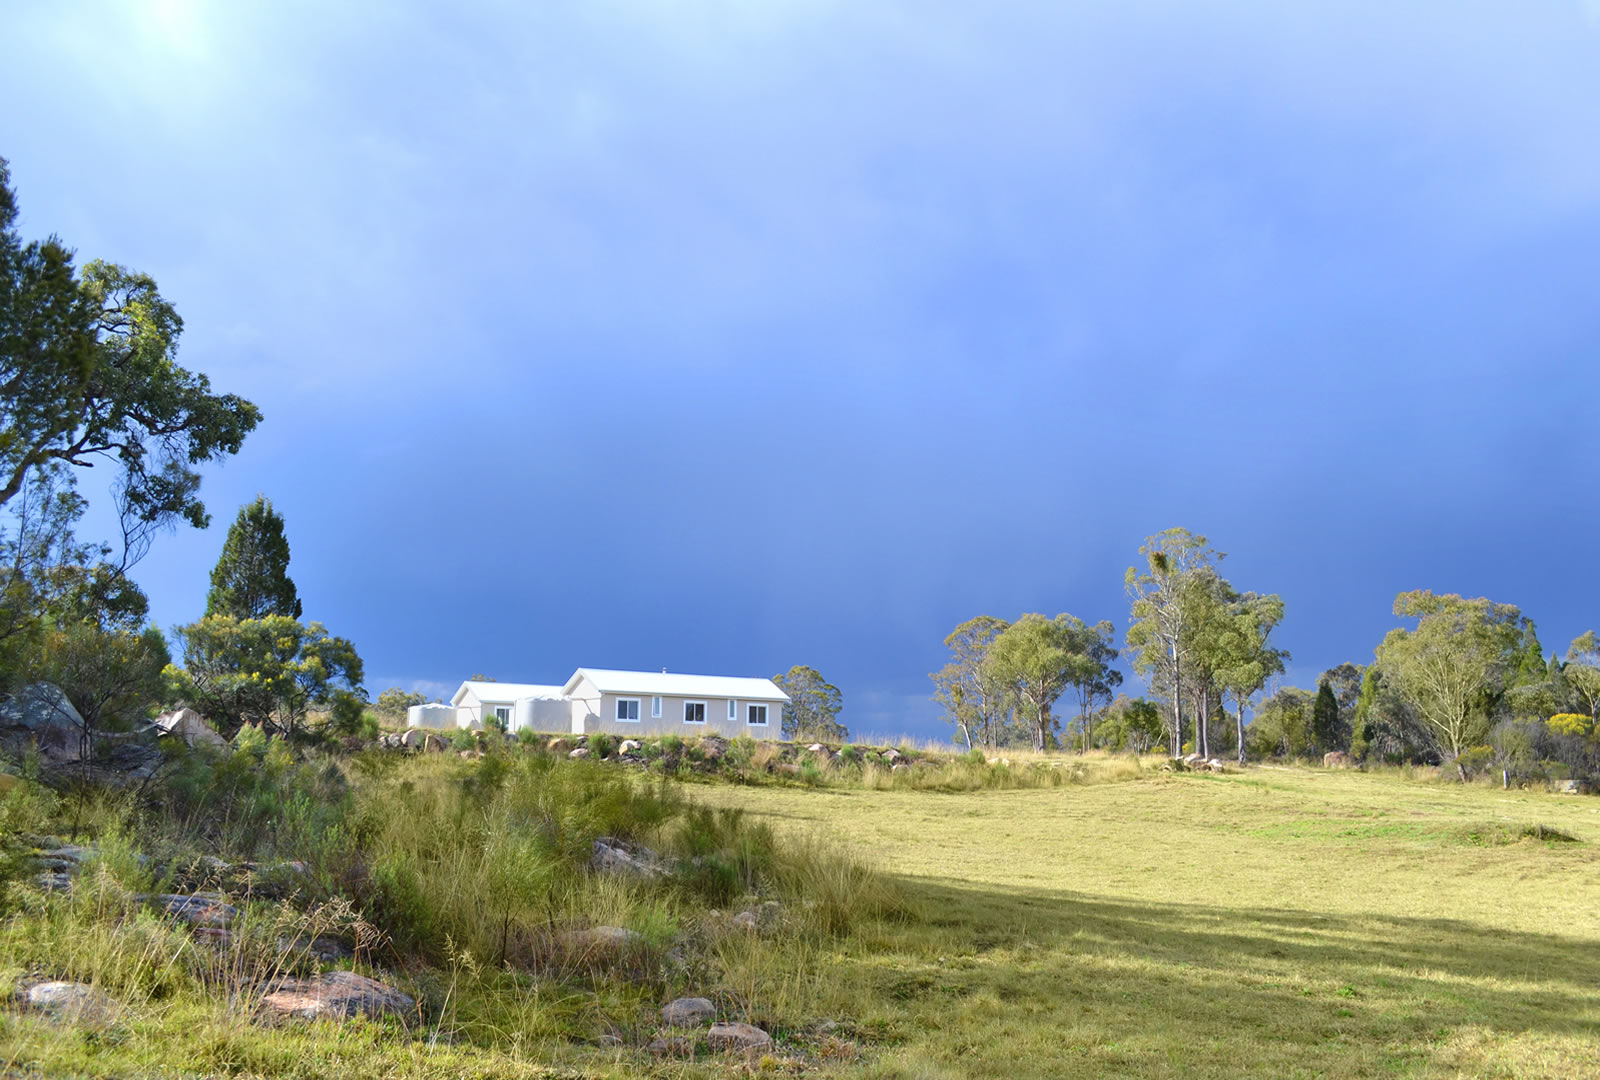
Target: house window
{"x": 655, "y": 707}
{"x": 733, "y": 709}
{"x": 502, "y": 717}
{"x": 694, "y": 712}
{"x": 756, "y": 715}
{"x": 628, "y": 710}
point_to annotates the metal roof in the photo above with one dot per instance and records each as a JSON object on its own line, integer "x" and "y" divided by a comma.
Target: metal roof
{"x": 672, "y": 684}
{"x": 504, "y": 691}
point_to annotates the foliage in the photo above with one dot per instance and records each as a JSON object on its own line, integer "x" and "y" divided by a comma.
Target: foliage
{"x": 87, "y": 364}
{"x": 1035, "y": 656}
{"x": 1282, "y": 726}
{"x": 1582, "y": 669}
{"x": 1327, "y": 733}
{"x": 974, "y": 700}
{"x": 1452, "y": 664}
{"x": 395, "y": 702}
{"x": 1163, "y": 597}
{"x": 814, "y": 704}
{"x": 267, "y": 671}
{"x": 251, "y": 579}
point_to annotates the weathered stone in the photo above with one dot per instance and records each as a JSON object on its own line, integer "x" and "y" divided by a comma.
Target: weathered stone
{"x": 746, "y": 920}
{"x": 413, "y": 738}
{"x": 321, "y": 948}
{"x": 713, "y": 747}
{"x": 1336, "y": 759}
{"x": 54, "y": 881}
{"x": 336, "y": 995}
{"x": 74, "y": 1002}
{"x": 677, "y": 1046}
{"x": 612, "y": 856}
{"x": 602, "y": 939}
{"x": 213, "y": 936}
{"x": 200, "y": 909}
{"x": 189, "y": 726}
{"x": 40, "y": 717}
{"x": 434, "y": 744}
{"x": 580, "y": 752}
{"x": 628, "y": 746}
{"x": 1569, "y": 787}
{"x": 559, "y": 746}
{"x": 891, "y": 755}
{"x": 730, "y": 1035}
{"x": 688, "y": 1012}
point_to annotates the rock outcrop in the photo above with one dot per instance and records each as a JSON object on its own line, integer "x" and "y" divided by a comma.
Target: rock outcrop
{"x": 336, "y": 995}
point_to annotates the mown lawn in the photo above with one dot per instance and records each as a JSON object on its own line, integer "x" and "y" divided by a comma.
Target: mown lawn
{"x": 1286, "y": 923}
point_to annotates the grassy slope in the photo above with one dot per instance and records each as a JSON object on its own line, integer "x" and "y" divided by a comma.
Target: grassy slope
{"x": 1282, "y": 922}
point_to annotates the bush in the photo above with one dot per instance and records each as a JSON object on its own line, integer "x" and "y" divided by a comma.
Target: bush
{"x": 462, "y": 739}
{"x": 602, "y": 745}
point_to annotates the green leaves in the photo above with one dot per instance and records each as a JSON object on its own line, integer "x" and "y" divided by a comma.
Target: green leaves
{"x": 87, "y": 373}
{"x": 814, "y": 703}
{"x": 251, "y": 579}
{"x": 267, "y": 671}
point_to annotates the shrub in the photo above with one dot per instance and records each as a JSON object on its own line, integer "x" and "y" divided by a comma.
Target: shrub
{"x": 602, "y": 745}
{"x": 462, "y": 739}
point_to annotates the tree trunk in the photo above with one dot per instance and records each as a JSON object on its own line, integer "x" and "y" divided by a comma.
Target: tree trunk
{"x": 1241, "y": 732}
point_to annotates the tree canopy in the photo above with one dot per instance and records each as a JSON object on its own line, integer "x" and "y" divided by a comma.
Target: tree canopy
{"x": 88, "y": 374}
{"x": 814, "y": 704}
{"x": 251, "y": 579}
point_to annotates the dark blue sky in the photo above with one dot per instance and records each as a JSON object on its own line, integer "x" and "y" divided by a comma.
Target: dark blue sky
{"x": 723, "y": 337}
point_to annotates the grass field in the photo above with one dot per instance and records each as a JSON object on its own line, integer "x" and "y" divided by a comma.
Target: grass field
{"x": 1280, "y": 922}
{"x": 1276, "y": 922}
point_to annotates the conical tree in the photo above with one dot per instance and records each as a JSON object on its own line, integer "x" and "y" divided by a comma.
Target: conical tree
{"x": 1325, "y": 720}
{"x": 251, "y": 579}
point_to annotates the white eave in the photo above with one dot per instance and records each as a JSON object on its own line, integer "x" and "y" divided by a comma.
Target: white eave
{"x": 673, "y": 684}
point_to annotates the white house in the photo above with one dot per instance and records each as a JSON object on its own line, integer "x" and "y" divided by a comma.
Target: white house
{"x": 659, "y": 703}
{"x": 620, "y": 702}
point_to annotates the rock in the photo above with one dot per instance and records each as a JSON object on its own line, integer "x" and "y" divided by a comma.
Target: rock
{"x": 53, "y": 881}
{"x": 673, "y": 1047}
{"x": 433, "y": 744}
{"x": 898, "y": 766}
{"x": 602, "y": 939}
{"x": 336, "y": 995}
{"x": 628, "y": 746}
{"x": 67, "y": 857}
{"x": 688, "y": 1012}
{"x": 728, "y": 1035}
{"x": 1336, "y": 759}
{"x": 612, "y": 856}
{"x": 1568, "y": 787}
{"x": 746, "y": 920}
{"x": 39, "y": 716}
{"x": 74, "y": 1002}
{"x": 191, "y": 727}
{"x": 201, "y": 909}
{"x": 891, "y": 755}
{"x": 558, "y": 746}
{"x": 414, "y": 738}
{"x": 212, "y": 936}
{"x": 322, "y": 948}
{"x": 713, "y": 747}
{"x": 580, "y": 752}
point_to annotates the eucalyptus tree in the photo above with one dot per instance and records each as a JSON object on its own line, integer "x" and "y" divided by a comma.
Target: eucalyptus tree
{"x": 1452, "y": 663}
{"x": 814, "y": 704}
{"x": 1582, "y": 670}
{"x": 1036, "y": 656}
{"x": 87, "y": 375}
{"x": 975, "y": 699}
{"x": 1092, "y": 676}
{"x": 1249, "y": 660}
{"x": 1160, "y": 633}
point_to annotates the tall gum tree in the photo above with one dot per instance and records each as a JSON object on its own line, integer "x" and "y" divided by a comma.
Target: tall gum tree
{"x": 974, "y": 699}
{"x": 1159, "y": 636}
{"x": 1248, "y": 660}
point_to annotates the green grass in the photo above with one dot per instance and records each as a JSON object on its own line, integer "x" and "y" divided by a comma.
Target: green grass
{"x": 1277, "y": 922}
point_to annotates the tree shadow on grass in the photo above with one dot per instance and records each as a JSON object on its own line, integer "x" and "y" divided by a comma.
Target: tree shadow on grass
{"x": 1314, "y": 978}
